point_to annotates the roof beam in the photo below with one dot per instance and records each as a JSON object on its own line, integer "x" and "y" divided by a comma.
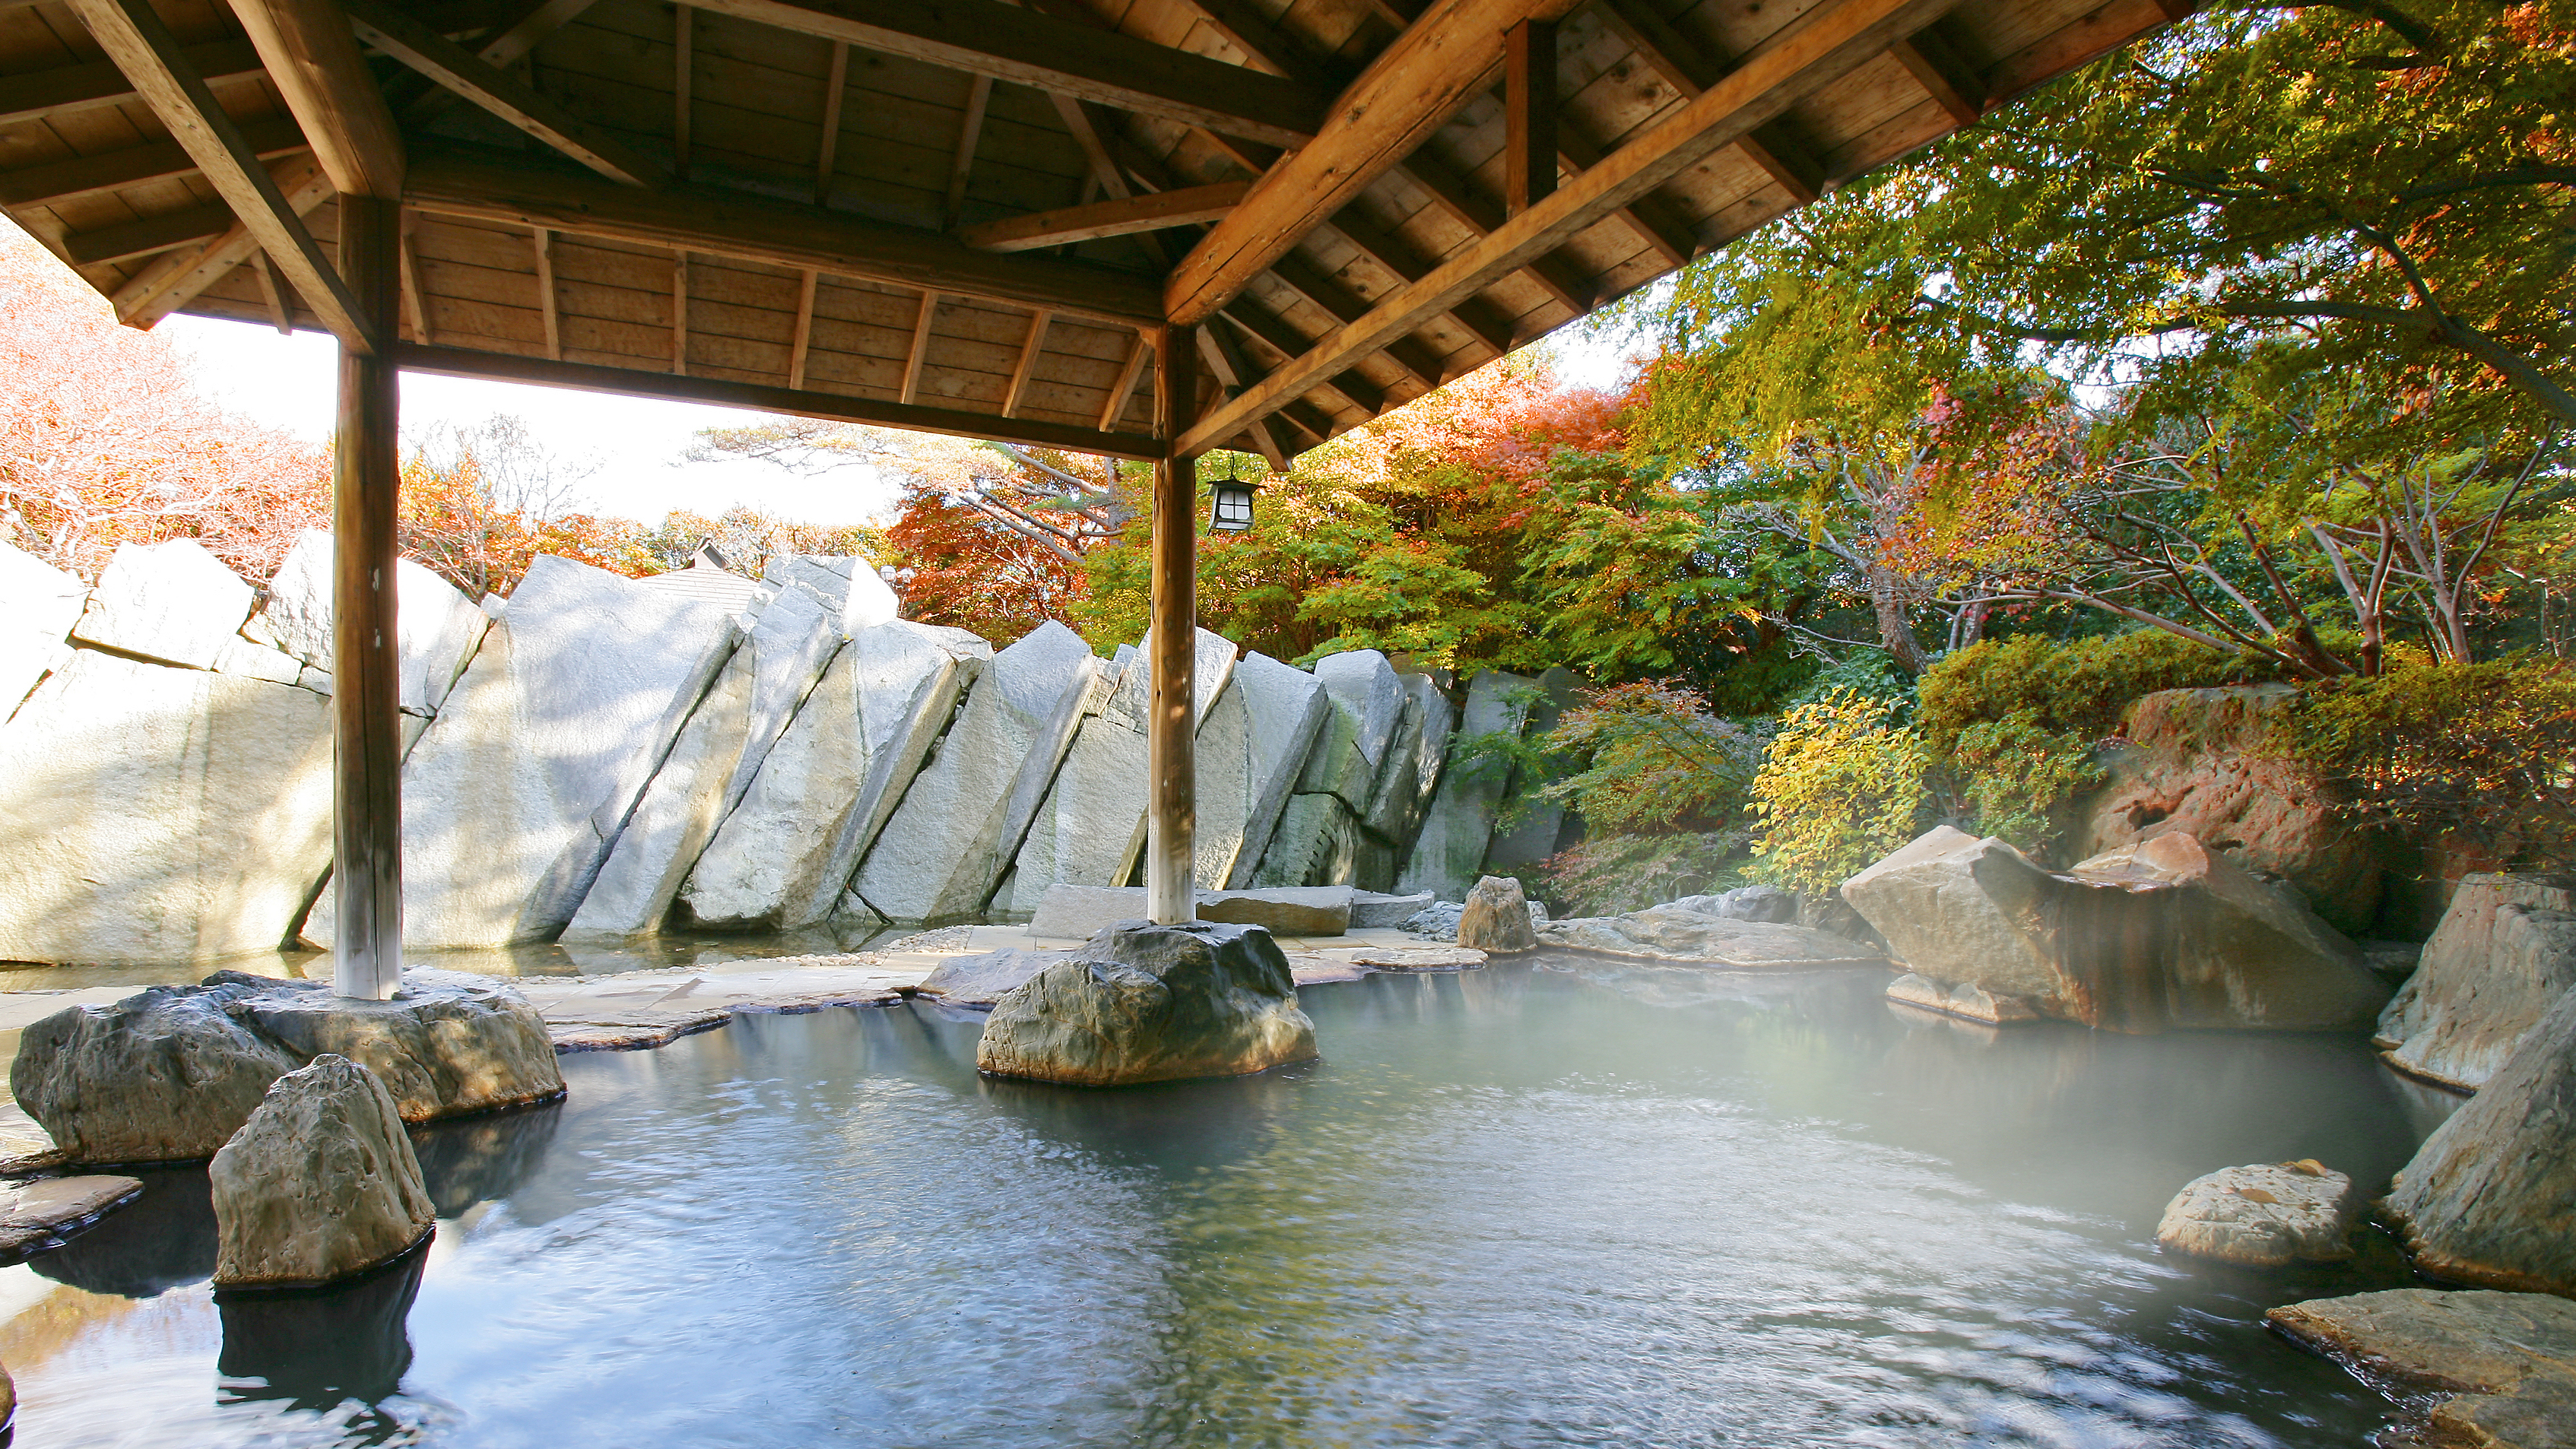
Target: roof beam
{"x": 1827, "y": 43}
{"x": 1529, "y": 114}
{"x": 583, "y": 377}
{"x": 79, "y": 176}
{"x": 1355, "y": 391}
{"x": 791, "y": 234}
{"x": 1028, "y": 48}
{"x": 1150, "y": 212}
{"x": 478, "y": 80}
{"x": 313, "y": 61}
{"x": 1123, "y": 390}
{"x": 1407, "y": 93}
{"x": 827, "y": 148}
{"x": 134, "y": 36}
{"x": 1028, "y": 363}
{"x": 1937, "y": 68}
{"x": 1687, "y": 67}
{"x": 128, "y": 240}
{"x": 98, "y": 83}
{"x": 165, "y": 288}
{"x": 970, "y": 134}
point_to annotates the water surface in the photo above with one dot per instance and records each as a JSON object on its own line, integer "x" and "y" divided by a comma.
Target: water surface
{"x": 1568, "y": 1203}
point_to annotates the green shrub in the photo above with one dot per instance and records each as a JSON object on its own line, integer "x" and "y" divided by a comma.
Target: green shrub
{"x": 1655, "y": 761}
{"x": 1614, "y": 873}
{"x": 1840, "y": 786}
{"x": 2482, "y": 752}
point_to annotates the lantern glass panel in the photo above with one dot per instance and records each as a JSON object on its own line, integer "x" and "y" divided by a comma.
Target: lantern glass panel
{"x": 1231, "y": 512}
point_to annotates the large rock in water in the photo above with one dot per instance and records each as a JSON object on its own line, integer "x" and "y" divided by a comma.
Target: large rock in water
{"x": 1152, "y": 1004}
{"x": 516, "y": 795}
{"x": 2503, "y": 955}
{"x": 1937, "y": 901}
{"x": 2505, "y": 1362}
{"x": 2490, "y": 1198}
{"x": 1675, "y": 931}
{"x": 2200, "y": 762}
{"x": 1449, "y": 853}
{"x": 2268, "y": 1215}
{"x": 942, "y": 853}
{"x": 319, "y": 1184}
{"x": 436, "y": 627}
{"x": 153, "y": 814}
{"x": 38, "y": 606}
{"x": 1497, "y": 917}
{"x": 169, "y": 1073}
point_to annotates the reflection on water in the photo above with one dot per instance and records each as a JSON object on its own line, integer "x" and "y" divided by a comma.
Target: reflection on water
{"x": 1574, "y": 1203}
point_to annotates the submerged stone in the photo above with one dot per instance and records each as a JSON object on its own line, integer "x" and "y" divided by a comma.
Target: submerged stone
{"x": 1152, "y": 1004}
{"x": 1496, "y": 917}
{"x": 36, "y": 1215}
{"x": 320, "y": 1184}
{"x": 1958, "y": 998}
{"x": 984, "y": 979}
{"x": 1675, "y": 932}
{"x": 2505, "y": 1362}
{"x": 2264, "y": 1216}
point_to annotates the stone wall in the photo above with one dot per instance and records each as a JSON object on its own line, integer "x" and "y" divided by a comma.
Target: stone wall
{"x": 599, "y": 756}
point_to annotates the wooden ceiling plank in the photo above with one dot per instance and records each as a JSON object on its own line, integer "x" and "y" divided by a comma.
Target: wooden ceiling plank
{"x": 1556, "y": 274}
{"x": 802, "y": 342}
{"x": 53, "y": 182}
{"x": 782, "y": 233}
{"x": 513, "y": 100}
{"x": 1827, "y": 43}
{"x": 509, "y": 367}
{"x": 684, "y": 71}
{"x": 680, "y": 314}
{"x": 836, "y": 88}
{"x": 136, "y": 38}
{"x": 128, "y": 240}
{"x": 1123, "y": 390}
{"x": 548, "y": 305}
{"x": 162, "y": 290}
{"x": 530, "y": 30}
{"x": 1395, "y": 255}
{"x": 1309, "y": 281}
{"x": 1407, "y": 93}
{"x": 984, "y": 37}
{"x": 1529, "y": 114}
{"x": 278, "y": 314}
{"x": 313, "y": 60}
{"x": 1689, "y": 69}
{"x": 1355, "y": 391}
{"x": 1952, "y": 87}
{"x": 919, "y": 351}
{"x": 1028, "y": 363}
{"x": 92, "y": 85}
{"x": 1186, "y": 207}
{"x": 970, "y": 132}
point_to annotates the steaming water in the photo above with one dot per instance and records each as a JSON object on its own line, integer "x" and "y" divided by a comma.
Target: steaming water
{"x": 1570, "y": 1204}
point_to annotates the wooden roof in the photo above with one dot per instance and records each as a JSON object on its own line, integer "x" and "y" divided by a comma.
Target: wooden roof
{"x": 971, "y": 216}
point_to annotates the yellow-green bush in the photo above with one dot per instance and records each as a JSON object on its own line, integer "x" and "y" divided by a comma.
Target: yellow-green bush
{"x": 2482, "y": 752}
{"x": 1841, "y": 786}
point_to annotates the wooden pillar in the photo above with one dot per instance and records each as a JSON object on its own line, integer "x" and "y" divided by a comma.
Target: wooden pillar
{"x": 366, "y": 724}
{"x": 1171, "y": 821}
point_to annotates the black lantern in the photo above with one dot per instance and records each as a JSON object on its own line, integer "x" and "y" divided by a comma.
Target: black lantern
{"x": 1231, "y": 511}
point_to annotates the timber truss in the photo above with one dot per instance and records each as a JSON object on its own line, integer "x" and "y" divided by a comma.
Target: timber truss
{"x": 970, "y": 216}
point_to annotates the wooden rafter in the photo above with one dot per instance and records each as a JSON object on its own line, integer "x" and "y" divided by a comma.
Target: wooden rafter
{"x": 1028, "y": 364}
{"x": 515, "y": 40}
{"x": 313, "y": 61}
{"x": 1473, "y": 316}
{"x": 413, "y": 301}
{"x": 684, "y": 74}
{"x": 1936, "y": 67}
{"x": 279, "y": 315}
{"x": 487, "y": 85}
{"x": 680, "y": 314}
{"x": 827, "y": 152}
{"x": 135, "y": 37}
{"x": 1827, "y": 43}
{"x": 1260, "y": 323}
{"x": 1307, "y": 280}
{"x": 970, "y": 133}
{"x": 54, "y": 182}
{"x": 919, "y": 352}
{"x": 1152, "y": 211}
{"x": 799, "y": 346}
{"x": 1687, "y": 67}
{"x": 1529, "y": 114}
{"x": 164, "y": 289}
{"x": 1123, "y": 390}
{"x": 1226, "y": 364}
{"x": 547, "y": 304}
{"x": 128, "y": 240}
{"x": 509, "y": 367}
{"x": 96, "y": 84}
{"x": 782, "y": 233}
{"x": 1063, "y": 57}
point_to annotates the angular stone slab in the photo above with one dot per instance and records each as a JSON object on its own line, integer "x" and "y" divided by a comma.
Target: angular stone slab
{"x": 38, "y": 606}
{"x": 1532, "y": 838}
{"x": 633, "y": 1010}
{"x": 1371, "y": 910}
{"x": 1937, "y": 902}
{"x": 1672, "y": 933}
{"x": 1410, "y": 773}
{"x": 320, "y": 1184}
{"x": 1957, "y": 998}
{"x": 38, "y": 1215}
{"x": 2502, "y": 956}
{"x": 2268, "y": 1215}
{"x": 1284, "y": 709}
{"x": 2503, "y": 1359}
{"x": 152, "y": 814}
{"x": 1367, "y": 700}
{"x": 1317, "y": 843}
{"x": 2490, "y": 1198}
{"x": 172, "y": 601}
{"x": 678, "y": 814}
{"x": 1078, "y": 913}
{"x": 941, "y": 854}
{"x": 985, "y": 978}
{"x": 436, "y": 627}
{"x": 517, "y": 793}
{"x": 1152, "y": 1004}
{"x": 1449, "y": 852}
{"x": 1092, "y": 824}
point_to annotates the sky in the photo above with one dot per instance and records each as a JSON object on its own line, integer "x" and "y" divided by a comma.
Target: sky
{"x": 637, "y": 443}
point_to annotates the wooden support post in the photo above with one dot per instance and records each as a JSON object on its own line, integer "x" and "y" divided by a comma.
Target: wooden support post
{"x": 1529, "y": 114}
{"x": 365, "y": 694}
{"x": 803, "y": 341}
{"x": 1171, "y": 820}
{"x": 546, "y": 294}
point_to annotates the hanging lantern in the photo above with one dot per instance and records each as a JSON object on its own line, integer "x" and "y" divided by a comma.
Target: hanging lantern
{"x": 1231, "y": 511}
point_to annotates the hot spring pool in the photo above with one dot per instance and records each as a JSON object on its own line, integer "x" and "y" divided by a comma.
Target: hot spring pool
{"x": 1551, "y": 1203}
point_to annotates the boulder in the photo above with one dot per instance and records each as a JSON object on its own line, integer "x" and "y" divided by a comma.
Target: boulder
{"x": 1317, "y": 843}
{"x": 436, "y": 628}
{"x": 1439, "y": 920}
{"x": 38, "y": 606}
{"x": 2502, "y": 956}
{"x": 38, "y": 1215}
{"x": 2268, "y": 1215}
{"x": 981, "y": 980}
{"x": 941, "y": 854}
{"x": 1373, "y": 911}
{"x": 1078, "y": 913}
{"x": 1674, "y": 932}
{"x": 169, "y": 1073}
{"x": 1449, "y": 851}
{"x": 1496, "y": 917}
{"x": 319, "y": 1185}
{"x": 1747, "y": 903}
{"x": 2201, "y": 762}
{"x": 1410, "y": 772}
{"x": 2490, "y": 1198}
{"x": 1367, "y": 700}
{"x": 1091, "y": 826}
{"x": 173, "y": 602}
{"x": 2505, "y": 1362}
{"x": 517, "y": 793}
{"x": 678, "y": 814}
{"x": 1531, "y": 838}
{"x": 1284, "y": 709}
{"x": 1151, "y": 1004}
{"x": 150, "y": 814}
{"x": 1959, "y": 999}
{"x": 1937, "y": 903}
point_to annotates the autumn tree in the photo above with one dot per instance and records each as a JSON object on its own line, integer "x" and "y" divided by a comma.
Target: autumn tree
{"x": 480, "y": 501}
